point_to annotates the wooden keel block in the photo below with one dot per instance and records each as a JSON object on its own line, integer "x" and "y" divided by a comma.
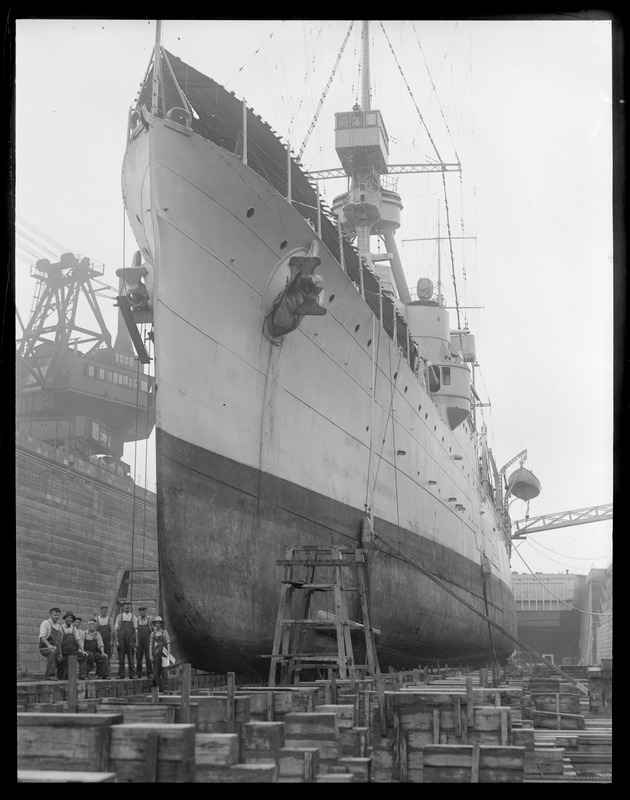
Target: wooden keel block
{"x": 263, "y": 736}
{"x": 216, "y": 749}
{"x": 44, "y": 741}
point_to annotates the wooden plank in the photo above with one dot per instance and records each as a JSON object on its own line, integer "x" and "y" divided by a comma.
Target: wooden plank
{"x": 239, "y": 773}
{"x": 436, "y": 726}
{"x": 150, "y": 761}
{"x": 184, "y": 715}
{"x": 231, "y": 701}
{"x": 474, "y": 769}
{"x": 63, "y": 776}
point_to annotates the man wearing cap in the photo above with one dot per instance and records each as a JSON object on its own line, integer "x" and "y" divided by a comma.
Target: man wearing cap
{"x": 145, "y": 624}
{"x": 126, "y": 631}
{"x": 160, "y": 645}
{"x": 95, "y": 650}
{"x": 105, "y": 626}
{"x": 50, "y": 643}
{"x": 71, "y": 645}
{"x": 77, "y": 625}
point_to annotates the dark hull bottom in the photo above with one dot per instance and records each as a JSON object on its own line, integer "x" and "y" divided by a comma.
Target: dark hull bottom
{"x": 222, "y": 527}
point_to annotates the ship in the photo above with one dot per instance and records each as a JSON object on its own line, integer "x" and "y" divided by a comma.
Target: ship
{"x": 304, "y": 396}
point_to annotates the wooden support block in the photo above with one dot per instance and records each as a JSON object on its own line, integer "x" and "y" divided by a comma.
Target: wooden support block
{"x": 382, "y": 765}
{"x": 354, "y": 742}
{"x": 523, "y": 738}
{"x": 361, "y": 768}
{"x": 63, "y": 776}
{"x": 311, "y": 724}
{"x": 263, "y": 736}
{"x": 141, "y": 712}
{"x": 338, "y": 777}
{"x": 216, "y": 749}
{"x": 544, "y": 761}
{"x": 238, "y": 773}
{"x": 329, "y": 749}
{"x": 473, "y": 764}
{"x": 346, "y": 714}
{"x": 44, "y": 741}
{"x": 298, "y": 765}
{"x": 131, "y": 746}
{"x": 210, "y": 713}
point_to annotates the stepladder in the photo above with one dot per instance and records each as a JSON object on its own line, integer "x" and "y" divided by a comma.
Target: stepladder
{"x": 314, "y": 630}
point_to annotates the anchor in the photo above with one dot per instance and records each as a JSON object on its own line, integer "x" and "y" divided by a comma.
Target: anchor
{"x": 299, "y": 299}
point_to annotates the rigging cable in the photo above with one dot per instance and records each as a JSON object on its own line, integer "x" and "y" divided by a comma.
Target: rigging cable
{"x": 308, "y": 69}
{"x": 240, "y": 69}
{"x": 325, "y": 92}
{"x": 446, "y": 204}
{"x": 559, "y": 599}
{"x": 397, "y": 553}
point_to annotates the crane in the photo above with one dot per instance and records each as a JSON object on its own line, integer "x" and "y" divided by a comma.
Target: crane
{"x": 562, "y": 519}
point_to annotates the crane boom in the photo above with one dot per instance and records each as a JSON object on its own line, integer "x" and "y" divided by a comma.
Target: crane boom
{"x": 563, "y": 519}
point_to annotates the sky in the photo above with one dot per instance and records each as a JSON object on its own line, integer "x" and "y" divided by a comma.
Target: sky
{"x": 524, "y": 105}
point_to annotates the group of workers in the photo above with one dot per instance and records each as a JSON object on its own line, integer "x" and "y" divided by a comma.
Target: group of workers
{"x": 136, "y": 638}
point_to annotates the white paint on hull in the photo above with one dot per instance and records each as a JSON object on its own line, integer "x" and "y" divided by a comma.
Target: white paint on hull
{"x": 300, "y": 411}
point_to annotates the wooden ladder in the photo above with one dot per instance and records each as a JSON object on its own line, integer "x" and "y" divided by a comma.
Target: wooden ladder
{"x": 128, "y": 582}
{"x": 303, "y": 567}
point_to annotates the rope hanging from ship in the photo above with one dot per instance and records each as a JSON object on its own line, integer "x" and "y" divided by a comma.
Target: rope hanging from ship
{"x": 135, "y": 458}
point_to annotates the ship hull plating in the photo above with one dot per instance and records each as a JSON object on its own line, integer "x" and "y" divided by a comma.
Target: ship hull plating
{"x": 265, "y": 444}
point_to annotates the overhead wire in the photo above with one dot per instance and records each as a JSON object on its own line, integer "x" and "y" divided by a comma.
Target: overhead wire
{"x": 575, "y": 608}
{"x": 255, "y": 53}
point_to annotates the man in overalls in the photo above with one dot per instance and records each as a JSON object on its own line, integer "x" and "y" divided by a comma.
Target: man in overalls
{"x": 95, "y": 651}
{"x": 50, "y": 643}
{"x": 144, "y": 634}
{"x": 160, "y": 649}
{"x": 70, "y": 646}
{"x": 105, "y": 626}
{"x": 126, "y": 629}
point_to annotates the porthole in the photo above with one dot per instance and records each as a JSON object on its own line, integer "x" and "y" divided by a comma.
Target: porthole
{"x": 357, "y": 328}
{"x": 405, "y": 389}
{"x": 331, "y": 298}
{"x": 435, "y": 427}
{"x": 367, "y": 427}
{"x": 426, "y": 415}
{"x": 250, "y": 211}
{"x": 420, "y": 407}
{"x": 395, "y": 375}
{"x": 369, "y": 342}
{"x": 442, "y": 438}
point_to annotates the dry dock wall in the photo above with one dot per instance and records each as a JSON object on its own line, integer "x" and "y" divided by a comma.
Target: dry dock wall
{"x": 78, "y": 527}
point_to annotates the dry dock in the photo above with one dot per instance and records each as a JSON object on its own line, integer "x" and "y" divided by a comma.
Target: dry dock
{"x": 420, "y": 726}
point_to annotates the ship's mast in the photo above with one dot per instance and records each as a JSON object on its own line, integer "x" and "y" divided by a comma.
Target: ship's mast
{"x": 155, "y": 97}
{"x": 365, "y": 67}
{"x": 369, "y": 209}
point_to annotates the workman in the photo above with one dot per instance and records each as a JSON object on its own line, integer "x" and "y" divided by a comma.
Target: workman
{"x": 105, "y": 626}
{"x": 145, "y": 627}
{"x": 95, "y": 652}
{"x": 160, "y": 644}
{"x": 126, "y": 630}
{"x": 50, "y": 643}
{"x": 71, "y": 645}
